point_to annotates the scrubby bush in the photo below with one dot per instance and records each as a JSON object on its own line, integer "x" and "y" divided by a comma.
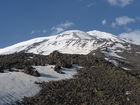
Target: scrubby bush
{"x": 97, "y": 83}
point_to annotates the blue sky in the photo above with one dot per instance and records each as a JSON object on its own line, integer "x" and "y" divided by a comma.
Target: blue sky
{"x": 22, "y": 20}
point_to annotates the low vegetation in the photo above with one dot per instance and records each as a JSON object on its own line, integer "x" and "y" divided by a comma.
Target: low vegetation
{"x": 97, "y": 83}
{"x": 93, "y": 86}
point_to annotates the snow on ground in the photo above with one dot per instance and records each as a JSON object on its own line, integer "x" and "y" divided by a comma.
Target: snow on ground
{"x": 112, "y": 54}
{"x": 15, "y": 85}
{"x": 126, "y": 68}
{"x": 112, "y": 61}
{"x": 138, "y": 52}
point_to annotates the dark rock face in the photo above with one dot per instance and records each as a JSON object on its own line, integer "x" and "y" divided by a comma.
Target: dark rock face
{"x": 55, "y": 54}
{"x": 59, "y": 61}
{"x": 57, "y": 68}
{"x": 64, "y": 64}
{"x": 1, "y": 71}
{"x": 31, "y": 71}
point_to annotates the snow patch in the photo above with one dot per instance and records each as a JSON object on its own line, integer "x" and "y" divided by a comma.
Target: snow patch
{"x": 138, "y": 52}
{"x": 16, "y": 85}
{"x": 125, "y": 68}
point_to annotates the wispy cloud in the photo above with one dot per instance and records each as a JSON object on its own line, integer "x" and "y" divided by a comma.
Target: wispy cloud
{"x": 138, "y": 18}
{"x": 33, "y": 32}
{"x": 90, "y": 5}
{"x": 121, "y": 3}
{"x": 133, "y": 36}
{"x": 104, "y": 22}
{"x": 54, "y": 30}
{"x": 38, "y": 31}
{"x": 127, "y": 29}
{"x": 61, "y": 27}
{"x": 122, "y": 21}
{"x": 44, "y": 31}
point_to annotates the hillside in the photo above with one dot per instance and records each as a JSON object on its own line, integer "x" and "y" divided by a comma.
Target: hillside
{"x": 97, "y": 80}
{"x": 71, "y": 68}
{"x": 113, "y": 48}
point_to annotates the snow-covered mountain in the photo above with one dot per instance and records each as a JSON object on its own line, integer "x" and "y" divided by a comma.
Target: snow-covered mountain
{"x": 78, "y": 42}
{"x": 73, "y": 42}
{"x": 120, "y": 52}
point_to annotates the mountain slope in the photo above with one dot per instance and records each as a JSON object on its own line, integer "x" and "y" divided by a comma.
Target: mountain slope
{"x": 73, "y": 42}
{"x": 106, "y": 78}
{"x": 78, "y": 42}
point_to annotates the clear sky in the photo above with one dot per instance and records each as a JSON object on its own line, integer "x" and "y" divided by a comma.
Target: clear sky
{"x": 22, "y": 20}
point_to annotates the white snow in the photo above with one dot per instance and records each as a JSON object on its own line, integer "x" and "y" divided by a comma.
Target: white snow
{"x": 15, "y": 85}
{"x": 138, "y": 52}
{"x": 73, "y": 34}
{"x": 72, "y": 42}
{"x": 104, "y": 35}
{"x": 112, "y": 61}
{"x": 111, "y": 53}
{"x": 126, "y": 68}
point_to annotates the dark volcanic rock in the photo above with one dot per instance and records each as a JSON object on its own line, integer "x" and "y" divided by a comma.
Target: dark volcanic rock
{"x": 64, "y": 64}
{"x": 57, "y": 68}
{"x": 55, "y": 54}
{"x": 30, "y": 70}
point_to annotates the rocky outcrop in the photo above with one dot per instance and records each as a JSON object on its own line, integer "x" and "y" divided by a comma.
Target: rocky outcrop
{"x": 55, "y": 54}
{"x": 30, "y": 70}
{"x": 64, "y": 64}
{"x": 57, "y": 68}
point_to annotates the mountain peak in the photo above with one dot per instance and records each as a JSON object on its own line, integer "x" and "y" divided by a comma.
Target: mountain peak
{"x": 72, "y": 42}
{"x": 73, "y": 34}
{"x": 103, "y": 35}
